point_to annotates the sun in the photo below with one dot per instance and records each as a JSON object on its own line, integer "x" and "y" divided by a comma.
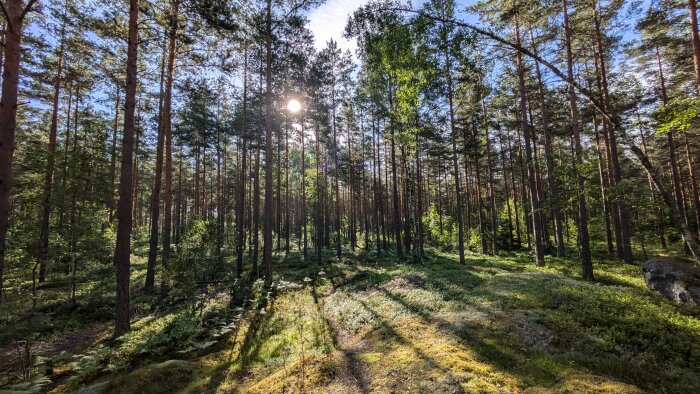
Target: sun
{"x": 294, "y": 106}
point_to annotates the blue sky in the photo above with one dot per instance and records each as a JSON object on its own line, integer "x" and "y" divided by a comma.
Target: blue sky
{"x": 328, "y": 22}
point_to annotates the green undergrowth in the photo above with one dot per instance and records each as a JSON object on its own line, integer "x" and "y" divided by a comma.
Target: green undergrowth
{"x": 366, "y": 323}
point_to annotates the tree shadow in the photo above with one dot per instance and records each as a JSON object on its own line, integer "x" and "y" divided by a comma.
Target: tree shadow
{"x": 611, "y": 330}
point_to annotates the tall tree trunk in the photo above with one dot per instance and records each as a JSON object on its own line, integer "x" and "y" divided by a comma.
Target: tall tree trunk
{"x": 3, "y": 26}
{"x": 489, "y": 166}
{"x": 602, "y": 177}
{"x": 477, "y": 183}
{"x": 621, "y": 204}
{"x": 376, "y": 184}
{"x": 168, "y": 135}
{"x": 351, "y": 170}
{"x": 240, "y": 201}
{"x": 51, "y": 159}
{"x": 155, "y": 194}
{"x": 586, "y": 264}
{"x": 319, "y": 197}
{"x": 267, "y": 229}
{"x": 278, "y": 194}
{"x": 113, "y": 154}
{"x": 693, "y": 181}
{"x": 507, "y": 191}
{"x": 514, "y": 190}
{"x": 287, "y": 208}
{"x": 395, "y": 182}
{"x": 455, "y": 162}
{"x": 652, "y": 195}
{"x": 549, "y": 159}
{"x": 15, "y": 14}
{"x": 336, "y": 148}
{"x": 531, "y": 176}
{"x": 256, "y": 185}
{"x": 123, "y": 244}
{"x": 303, "y": 185}
{"x": 673, "y": 162}
{"x": 405, "y": 181}
{"x": 695, "y": 37}
{"x": 419, "y": 200}
{"x": 219, "y": 194}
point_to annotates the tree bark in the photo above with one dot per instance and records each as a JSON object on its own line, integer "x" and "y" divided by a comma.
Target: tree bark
{"x": 267, "y": 229}
{"x": 549, "y": 159}
{"x": 455, "y": 162}
{"x": 168, "y": 135}
{"x": 602, "y": 177}
{"x": 51, "y": 159}
{"x": 586, "y": 263}
{"x": 240, "y": 201}
{"x": 336, "y": 167}
{"x": 695, "y": 37}
{"x": 489, "y": 166}
{"x": 155, "y": 193}
{"x": 395, "y": 182}
{"x": 616, "y": 171}
{"x": 14, "y": 18}
{"x": 534, "y": 194}
{"x": 124, "y": 207}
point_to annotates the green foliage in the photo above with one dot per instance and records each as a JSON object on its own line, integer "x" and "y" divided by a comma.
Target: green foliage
{"x": 195, "y": 260}
{"x": 680, "y": 115}
{"x": 444, "y": 238}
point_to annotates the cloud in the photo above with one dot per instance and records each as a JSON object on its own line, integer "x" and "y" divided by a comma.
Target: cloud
{"x": 328, "y": 22}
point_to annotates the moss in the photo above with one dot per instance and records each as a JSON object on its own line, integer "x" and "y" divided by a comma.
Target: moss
{"x": 586, "y": 384}
{"x": 169, "y": 376}
{"x": 495, "y": 325}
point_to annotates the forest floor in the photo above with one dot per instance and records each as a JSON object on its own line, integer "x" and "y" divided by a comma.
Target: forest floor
{"x": 369, "y": 324}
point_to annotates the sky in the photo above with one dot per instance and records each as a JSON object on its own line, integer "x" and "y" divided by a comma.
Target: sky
{"x": 328, "y": 21}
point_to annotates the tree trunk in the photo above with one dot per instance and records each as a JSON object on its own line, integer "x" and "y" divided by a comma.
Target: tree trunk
{"x": 377, "y": 185}
{"x": 514, "y": 190}
{"x": 168, "y": 135}
{"x": 336, "y": 169}
{"x": 455, "y": 162}
{"x": 240, "y": 201}
{"x": 155, "y": 194}
{"x": 602, "y": 176}
{"x": 303, "y": 185}
{"x": 586, "y": 264}
{"x": 489, "y": 166}
{"x": 549, "y": 159}
{"x": 113, "y": 155}
{"x": 287, "y": 208}
{"x": 51, "y": 159}
{"x": 652, "y": 195}
{"x": 693, "y": 13}
{"x": 477, "y": 182}
{"x": 267, "y": 229}
{"x": 15, "y": 13}
{"x": 693, "y": 181}
{"x": 616, "y": 171}
{"x": 123, "y": 243}
{"x": 534, "y": 195}
{"x": 675, "y": 173}
{"x": 395, "y": 182}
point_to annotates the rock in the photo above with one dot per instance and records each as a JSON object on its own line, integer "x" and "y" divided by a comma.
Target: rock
{"x": 676, "y": 281}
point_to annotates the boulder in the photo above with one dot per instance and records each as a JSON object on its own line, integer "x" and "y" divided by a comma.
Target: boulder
{"x": 676, "y": 281}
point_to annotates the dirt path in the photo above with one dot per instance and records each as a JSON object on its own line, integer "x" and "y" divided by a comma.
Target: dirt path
{"x": 356, "y": 376}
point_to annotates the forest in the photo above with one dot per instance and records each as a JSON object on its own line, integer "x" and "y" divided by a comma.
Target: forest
{"x": 483, "y": 196}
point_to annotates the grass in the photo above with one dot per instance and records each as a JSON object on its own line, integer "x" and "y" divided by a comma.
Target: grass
{"x": 367, "y": 323}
